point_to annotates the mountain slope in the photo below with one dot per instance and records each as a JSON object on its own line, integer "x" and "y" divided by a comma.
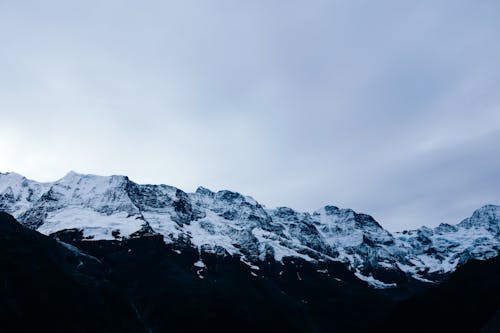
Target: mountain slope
{"x": 225, "y": 222}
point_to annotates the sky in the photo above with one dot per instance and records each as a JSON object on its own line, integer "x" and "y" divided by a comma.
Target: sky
{"x": 391, "y": 108}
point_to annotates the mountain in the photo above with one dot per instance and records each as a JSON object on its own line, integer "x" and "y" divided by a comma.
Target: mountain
{"x": 105, "y": 254}
{"x": 227, "y": 223}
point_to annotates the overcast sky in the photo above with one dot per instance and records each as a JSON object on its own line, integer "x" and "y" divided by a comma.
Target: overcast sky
{"x": 391, "y": 108}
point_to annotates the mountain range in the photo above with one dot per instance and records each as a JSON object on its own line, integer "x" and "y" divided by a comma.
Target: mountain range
{"x": 89, "y": 253}
{"x": 227, "y": 223}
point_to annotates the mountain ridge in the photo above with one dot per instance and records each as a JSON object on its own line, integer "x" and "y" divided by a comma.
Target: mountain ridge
{"x": 226, "y": 222}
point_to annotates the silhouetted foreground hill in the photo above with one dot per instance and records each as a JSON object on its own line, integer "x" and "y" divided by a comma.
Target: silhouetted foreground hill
{"x": 47, "y": 287}
{"x": 468, "y": 302}
{"x": 173, "y": 295}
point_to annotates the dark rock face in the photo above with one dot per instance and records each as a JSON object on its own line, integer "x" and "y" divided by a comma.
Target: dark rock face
{"x": 34, "y": 217}
{"x": 7, "y": 199}
{"x": 229, "y": 196}
{"x": 147, "y": 195}
{"x": 68, "y": 235}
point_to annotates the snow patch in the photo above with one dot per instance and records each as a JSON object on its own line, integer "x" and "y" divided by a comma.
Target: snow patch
{"x": 199, "y": 264}
{"x": 374, "y": 282}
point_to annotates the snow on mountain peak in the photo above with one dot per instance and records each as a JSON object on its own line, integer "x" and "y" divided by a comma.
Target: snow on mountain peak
{"x": 484, "y": 217}
{"x": 10, "y": 179}
{"x": 111, "y": 207}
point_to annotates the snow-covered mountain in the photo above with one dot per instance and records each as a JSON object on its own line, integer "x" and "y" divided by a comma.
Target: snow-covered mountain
{"x": 228, "y": 223}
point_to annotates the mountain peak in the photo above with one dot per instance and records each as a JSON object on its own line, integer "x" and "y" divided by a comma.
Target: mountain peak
{"x": 10, "y": 180}
{"x": 73, "y": 177}
{"x": 11, "y": 176}
{"x": 204, "y": 191}
{"x": 487, "y": 217}
{"x": 72, "y": 174}
{"x": 489, "y": 208}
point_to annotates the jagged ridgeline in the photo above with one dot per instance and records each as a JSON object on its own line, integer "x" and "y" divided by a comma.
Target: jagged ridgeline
{"x": 226, "y": 223}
